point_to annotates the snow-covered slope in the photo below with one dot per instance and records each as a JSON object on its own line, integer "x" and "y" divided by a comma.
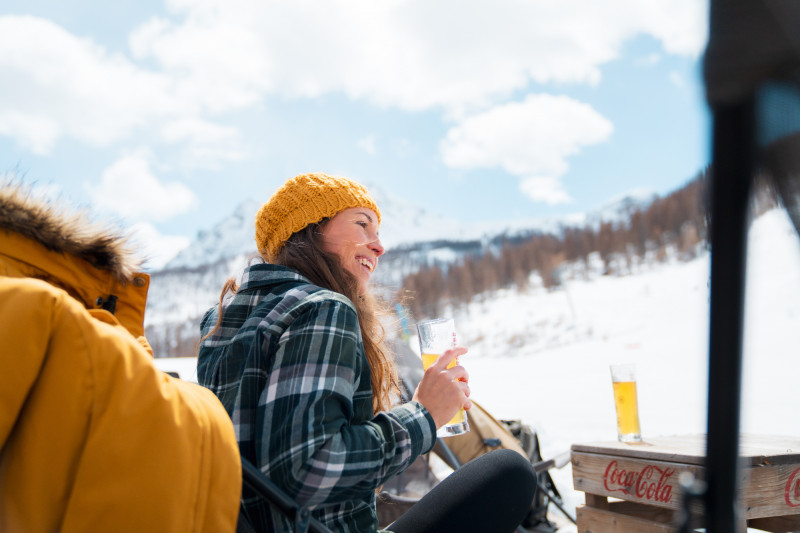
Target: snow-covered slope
{"x": 543, "y": 356}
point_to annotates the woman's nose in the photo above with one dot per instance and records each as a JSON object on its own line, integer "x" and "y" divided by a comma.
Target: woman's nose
{"x": 377, "y": 247}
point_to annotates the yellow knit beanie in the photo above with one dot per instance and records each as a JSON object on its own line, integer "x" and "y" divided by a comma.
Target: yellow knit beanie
{"x": 303, "y": 200}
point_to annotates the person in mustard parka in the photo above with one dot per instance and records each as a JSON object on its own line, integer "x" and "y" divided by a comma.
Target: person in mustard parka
{"x": 92, "y": 436}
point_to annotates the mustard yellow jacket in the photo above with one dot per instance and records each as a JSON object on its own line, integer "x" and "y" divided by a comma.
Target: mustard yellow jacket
{"x": 92, "y": 436}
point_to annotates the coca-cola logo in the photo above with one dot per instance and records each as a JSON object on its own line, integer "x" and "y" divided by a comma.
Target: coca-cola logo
{"x": 650, "y": 483}
{"x": 792, "y": 490}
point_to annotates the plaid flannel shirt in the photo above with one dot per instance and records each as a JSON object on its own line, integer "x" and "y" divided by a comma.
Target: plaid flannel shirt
{"x": 288, "y": 364}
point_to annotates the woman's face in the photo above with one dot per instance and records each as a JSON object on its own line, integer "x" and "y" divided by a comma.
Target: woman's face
{"x": 352, "y": 234}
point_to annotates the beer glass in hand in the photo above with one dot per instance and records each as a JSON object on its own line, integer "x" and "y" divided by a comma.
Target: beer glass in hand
{"x": 436, "y": 337}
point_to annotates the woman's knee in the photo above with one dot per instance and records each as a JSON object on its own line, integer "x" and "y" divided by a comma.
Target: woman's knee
{"x": 509, "y": 469}
{"x": 493, "y": 492}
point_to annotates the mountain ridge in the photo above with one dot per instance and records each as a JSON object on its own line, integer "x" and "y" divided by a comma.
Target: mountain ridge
{"x": 184, "y": 289}
{"x": 403, "y": 226}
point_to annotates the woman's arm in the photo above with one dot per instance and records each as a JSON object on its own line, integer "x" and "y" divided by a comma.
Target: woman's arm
{"x": 319, "y": 439}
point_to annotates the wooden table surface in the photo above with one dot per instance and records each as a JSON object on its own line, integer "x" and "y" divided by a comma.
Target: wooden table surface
{"x": 691, "y": 449}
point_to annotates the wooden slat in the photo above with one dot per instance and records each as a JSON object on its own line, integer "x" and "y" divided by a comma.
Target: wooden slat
{"x": 688, "y": 449}
{"x": 770, "y": 491}
{"x": 776, "y": 524}
{"x": 769, "y": 449}
{"x": 691, "y": 449}
{"x": 617, "y": 520}
{"x": 598, "y": 502}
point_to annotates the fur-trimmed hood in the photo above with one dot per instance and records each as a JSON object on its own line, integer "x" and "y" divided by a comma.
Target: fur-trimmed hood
{"x": 44, "y": 241}
{"x": 65, "y": 232}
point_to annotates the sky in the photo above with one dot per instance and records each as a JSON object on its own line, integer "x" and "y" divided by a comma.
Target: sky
{"x": 165, "y": 115}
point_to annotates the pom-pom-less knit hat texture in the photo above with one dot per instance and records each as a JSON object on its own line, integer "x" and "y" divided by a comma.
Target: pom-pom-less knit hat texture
{"x": 303, "y": 200}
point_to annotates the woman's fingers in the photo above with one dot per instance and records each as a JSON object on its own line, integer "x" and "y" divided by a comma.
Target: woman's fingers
{"x": 458, "y": 373}
{"x": 443, "y": 391}
{"x": 447, "y": 357}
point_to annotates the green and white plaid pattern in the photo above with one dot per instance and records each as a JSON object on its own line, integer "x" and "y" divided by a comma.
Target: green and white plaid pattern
{"x": 288, "y": 364}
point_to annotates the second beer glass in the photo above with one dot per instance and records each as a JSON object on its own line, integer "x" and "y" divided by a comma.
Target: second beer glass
{"x": 623, "y": 378}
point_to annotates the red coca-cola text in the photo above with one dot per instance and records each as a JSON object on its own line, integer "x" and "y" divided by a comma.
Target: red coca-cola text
{"x": 651, "y": 483}
{"x": 792, "y": 490}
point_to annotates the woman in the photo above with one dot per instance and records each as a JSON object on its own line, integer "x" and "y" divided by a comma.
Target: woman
{"x": 295, "y": 353}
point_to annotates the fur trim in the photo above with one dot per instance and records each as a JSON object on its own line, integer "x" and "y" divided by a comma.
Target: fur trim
{"x": 59, "y": 230}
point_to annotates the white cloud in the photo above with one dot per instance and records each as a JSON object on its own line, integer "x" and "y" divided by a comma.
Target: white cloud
{"x": 410, "y": 54}
{"x": 217, "y": 56}
{"x": 35, "y": 130}
{"x": 198, "y": 131}
{"x": 531, "y": 139}
{"x": 545, "y": 189}
{"x": 157, "y": 249}
{"x": 206, "y": 143}
{"x": 58, "y": 85}
{"x": 129, "y": 189}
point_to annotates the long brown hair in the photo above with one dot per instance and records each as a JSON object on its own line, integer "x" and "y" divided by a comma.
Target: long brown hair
{"x": 304, "y": 253}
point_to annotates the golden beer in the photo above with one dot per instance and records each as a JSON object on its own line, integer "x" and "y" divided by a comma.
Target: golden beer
{"x": 436, "y": 337}
{"x": 627, "y": 411}
{"x": 427, "y": 360}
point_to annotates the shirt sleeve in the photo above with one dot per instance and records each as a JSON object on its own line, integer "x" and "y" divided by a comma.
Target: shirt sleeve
{"x": 315, "y": 440}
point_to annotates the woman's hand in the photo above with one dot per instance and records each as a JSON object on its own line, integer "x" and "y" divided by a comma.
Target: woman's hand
{"x": 443, "y": 391}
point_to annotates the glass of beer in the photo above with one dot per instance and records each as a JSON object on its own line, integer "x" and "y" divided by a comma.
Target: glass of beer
{"x": 436, "y": 337}
{"x": 623, "y": 378}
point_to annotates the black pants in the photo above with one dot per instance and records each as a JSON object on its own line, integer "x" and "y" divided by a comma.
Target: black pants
{"x": 490, "y": 494}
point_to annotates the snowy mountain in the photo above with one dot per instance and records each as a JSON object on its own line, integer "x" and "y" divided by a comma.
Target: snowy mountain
{"x": 190, "y": 283}
{"x": 233, "y": 236}
{"x": 621, "y": 208}
{"x": 403, "y": 225}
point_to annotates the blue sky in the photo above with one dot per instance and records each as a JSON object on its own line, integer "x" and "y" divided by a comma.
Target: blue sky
{"x": 165, "y": 115}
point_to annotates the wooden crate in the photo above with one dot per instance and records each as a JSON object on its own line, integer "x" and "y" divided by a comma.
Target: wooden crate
{"x": 644, "y": 478}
